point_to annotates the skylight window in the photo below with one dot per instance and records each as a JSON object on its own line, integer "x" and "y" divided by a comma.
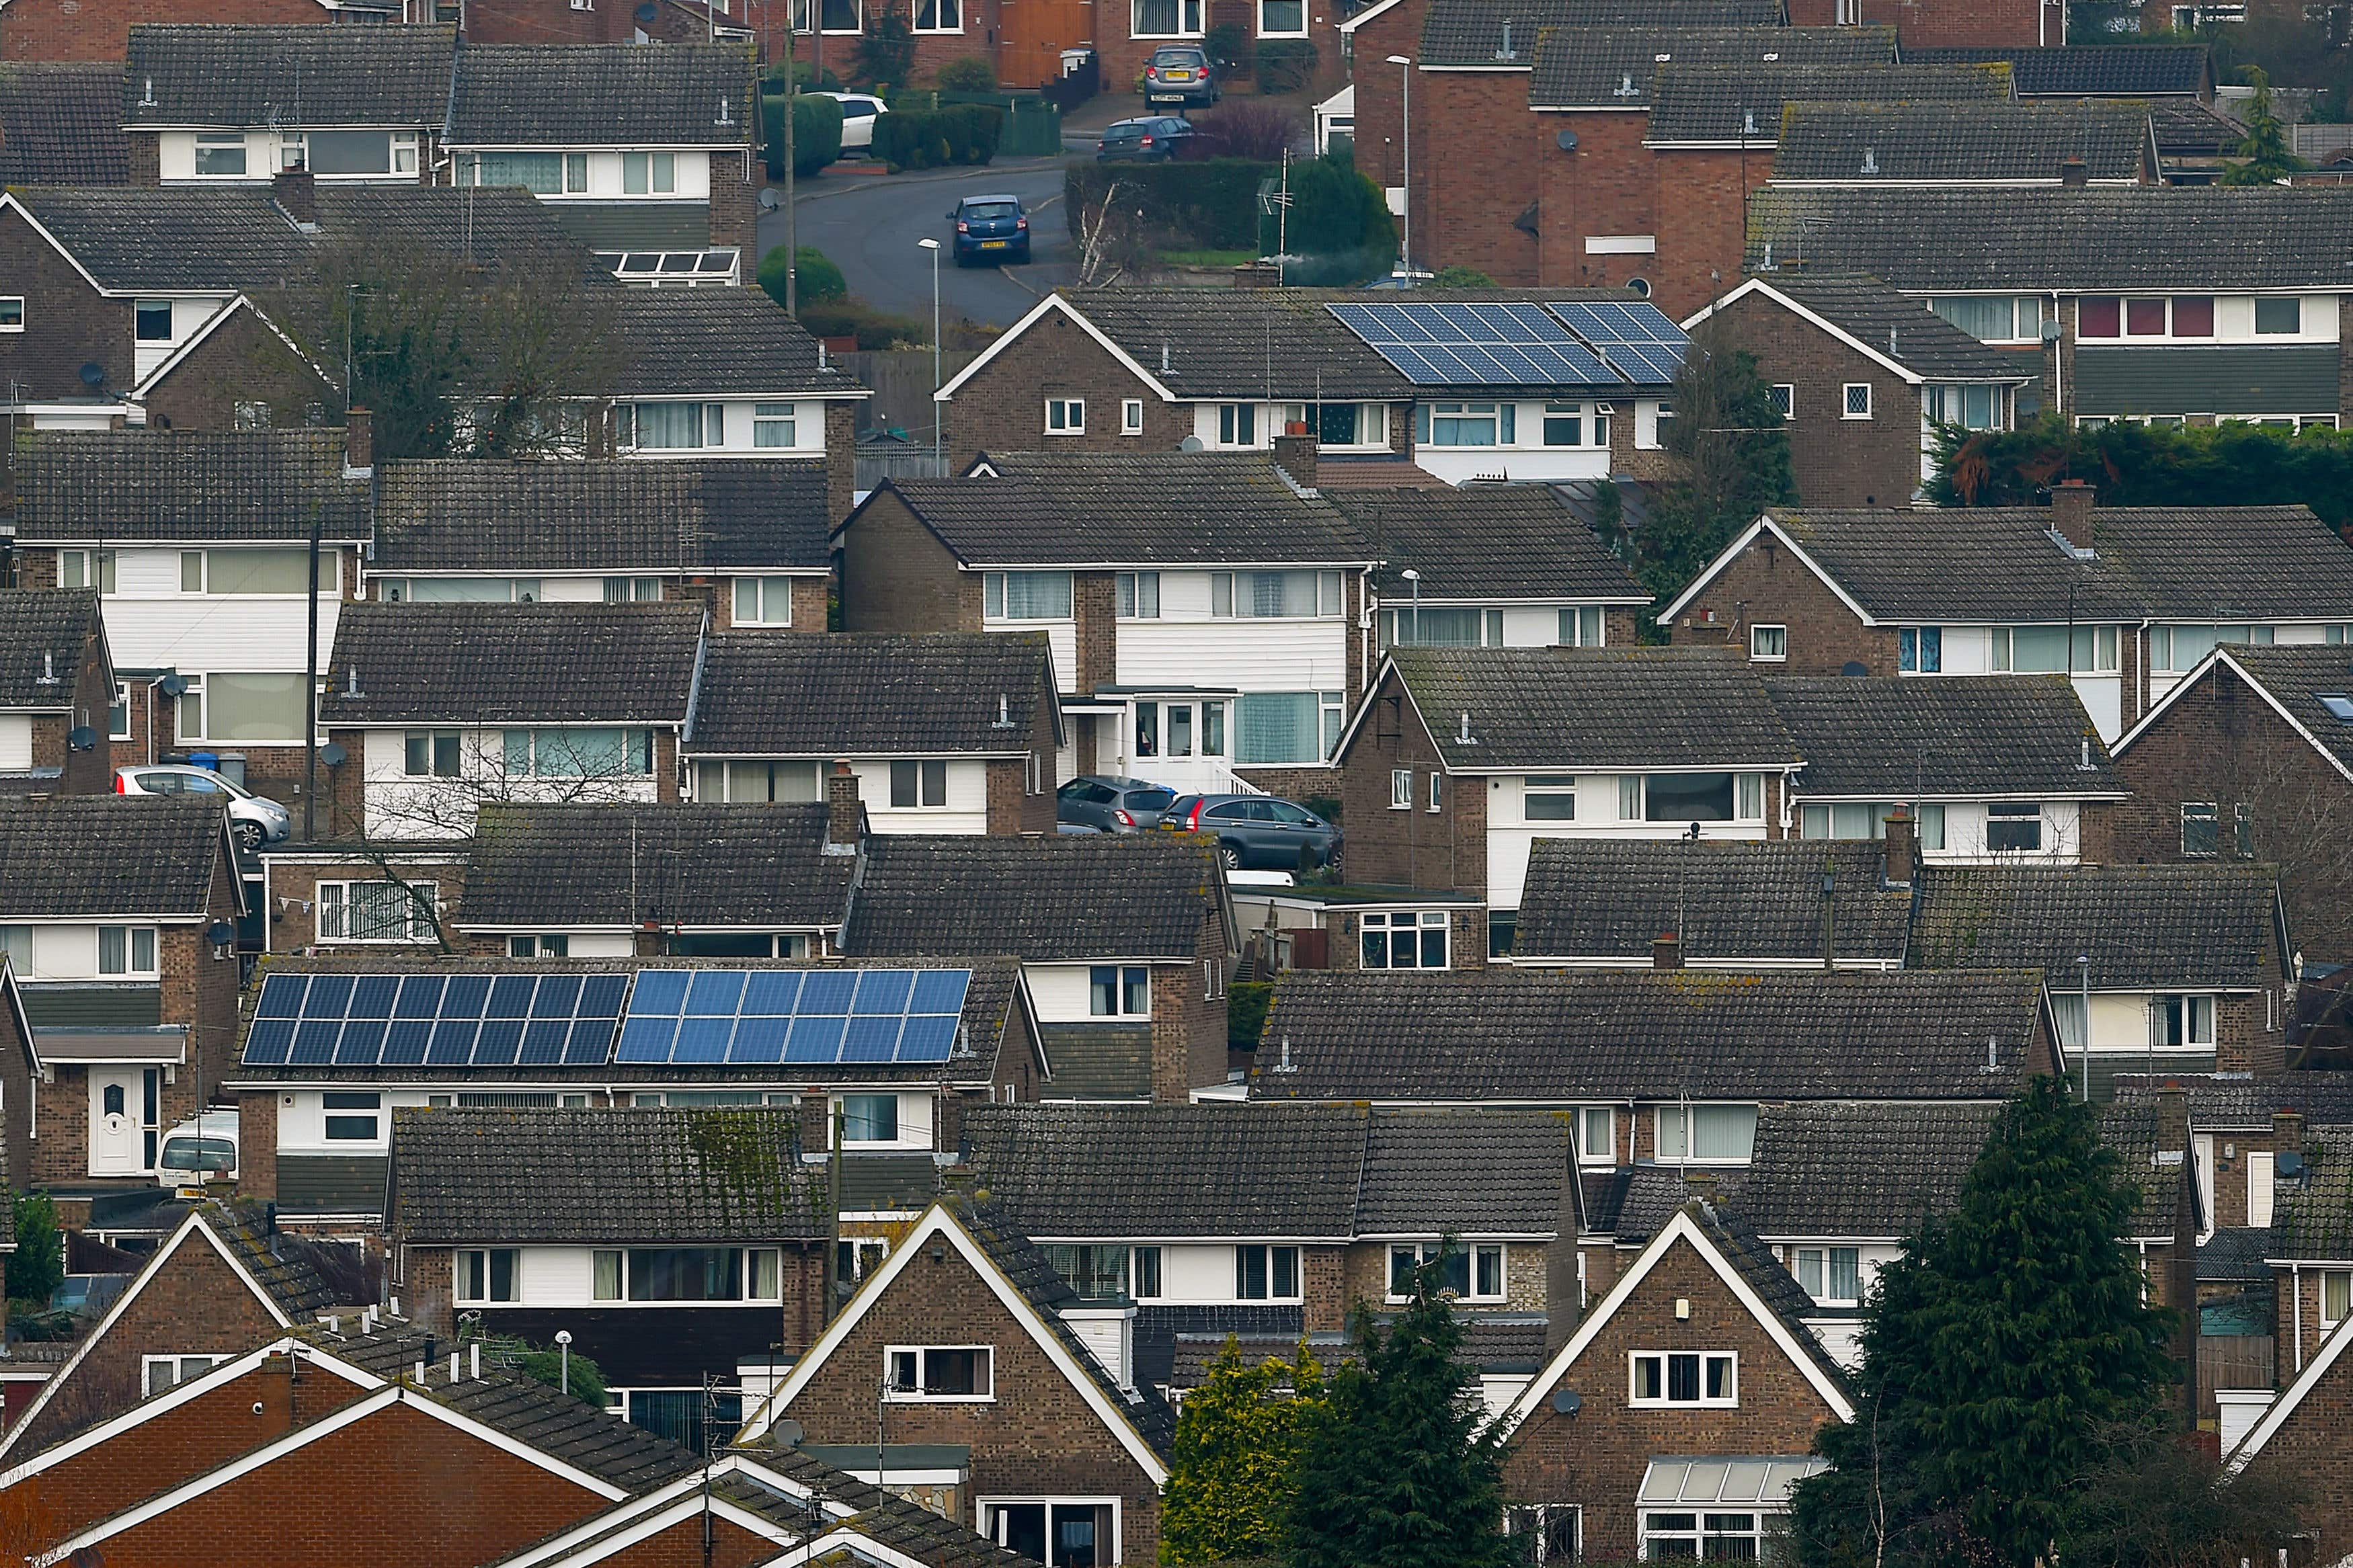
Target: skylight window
{"x": 2340, "y": 706}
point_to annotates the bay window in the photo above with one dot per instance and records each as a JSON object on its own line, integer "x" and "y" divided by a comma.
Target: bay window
{"x": 1025, "y": 596}
{"x": 1703, "y": 1537}
{"x": 1707, "y": 1134}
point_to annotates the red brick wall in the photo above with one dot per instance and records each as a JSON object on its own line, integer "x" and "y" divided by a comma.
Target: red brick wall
{"x": 257, "y": 1144}
{"x": 1703, "y": 216}
{"x": 1768, "y": 583}
{"x": 2310, "y": 1446}
{"x": 243, "y": 362}
{"x": 1838, "y": 462}
{"x": 681, "y": 1546}
{"x": 1380, "y": 90}
{"x": 1003, "y": 408}
{"x": 1929, "y": 23}
{"x": 1444, "y": 850}
{"x": 1606, "y": 186}
{"x": 101, "y": 29}
{"x": 67, "y": 324}
{"x": 1466, "y": 120}
{"x": 896, "y": 577}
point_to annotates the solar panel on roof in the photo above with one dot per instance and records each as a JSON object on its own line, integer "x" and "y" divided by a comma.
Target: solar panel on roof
{"x": 1637, "y": 337}
{"x": 434, "y": 1020}
{"x": 1455, "y": 344}
{"x": 758, "y": 1017}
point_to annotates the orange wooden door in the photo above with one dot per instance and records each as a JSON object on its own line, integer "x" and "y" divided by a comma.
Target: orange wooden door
{"x": 1034, "y": 33}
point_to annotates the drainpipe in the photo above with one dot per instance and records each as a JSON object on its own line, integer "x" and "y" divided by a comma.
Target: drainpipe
{"x": 2296, "y": 1310}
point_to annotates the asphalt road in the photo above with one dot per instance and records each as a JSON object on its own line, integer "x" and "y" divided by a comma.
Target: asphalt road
{"x": 869, "y": 224}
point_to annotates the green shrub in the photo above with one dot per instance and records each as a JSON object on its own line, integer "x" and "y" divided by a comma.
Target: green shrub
{"x": 1461, "y": 277}
{"x": 1339, "y": 226}
{"x": 810, "y": 77}
{"x": 817, "y": 133}
{"x": 1227, "y": 45}
{"x": 1208, "y": 205}
{"x": 963, "y": 133}
{"x": 819, "y": 280}
{"x": 38, "y": 1265}
{"x": 1285, "y": 65}
{"x": 972, "y": 73}
{"x": 886, "y": 54}
{"x": 1246, "y": 1005}
{"x": 585, "y": 1377}
{"x": 873, "y": 329}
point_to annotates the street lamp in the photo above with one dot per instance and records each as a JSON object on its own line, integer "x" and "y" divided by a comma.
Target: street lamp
{"x": 934, "y": 246}
{"x": 1414, "y": 578}
{"x": 1407, "y": 74}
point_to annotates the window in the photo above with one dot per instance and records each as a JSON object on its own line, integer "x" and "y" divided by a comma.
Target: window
{"x": 1277, "y": 18}
{"x": 2013, "y": 825}
{"x": 458, "y": 590}
{"x": 1717, "y": 1133}
{"x": 1474, "y": 424}
{"x": 1166, "y": 18}
{"x": 552, "y": 944}
{"x": 1098, "y": 1273}
{"x": 1749, "y": 803}
{"x": 86, "y": 569}
{"x": 1785, "y": 400}
{"x": 1116, "y": 991}
{"x": 1711, "y": 1537}
{"x": 152, "y": 322}
{"x": 2336, "y": 1295}
{"x": 1686, "y": 1377}
{"x": 855, "y": 1257}
{"x": 1547, "y": 1534}
{"x": 2048, "y": 650}
{"x": 1564, "y": 425}
{"x": 1630, "y": 798}
{"x": 1582, "y": 626}
{"x": 669, "y": 427}
{"x": 261, "y": 708}
{"x": 2002, "y": 320}
{"x": 353, "y": 1117}
{"x": 2242, "y": 830}
{"x": 1596, "y": 1135}
{"x": 118, "y": 713}
{"x": 1139, "y": 595}
{"x": 2281, "y": 318}
{"x": 1687, "y": 797}
{"x": 919, "y": 784}
{"x": 1438, "y": 792}
{"x": 1849, "y": 820}
{"x": 1404, "y": 939}
{"x": 1264, "y": 1273}
{"x": 938, "y": 1372}
{"x": 1066, "y": 416}
{"x": 1131, "y": 417}
{"x": 1856, "y": 400}
{"x": 221, "y": 154}
{"x": 1662, "y": 415}
{"x": 126, "y": 950}
{"x": 377, "y": 911}
{"x": 649, "y": 174}
{"x": 1832, "y": 1275}
{"x": 431, "y": 753}
{"x": 490, "y": 1274}
{"x": 939, "y": 17}
{"x": 578, "y": 753}
{"x": 1059, "y": 1532}
{"x": 1026, "y": 595}
{"x": 2181, "y": 1021}
{"x": 1287, "y": 726}
{"x": 1238, "y": 425}
{"x": 1970, "y": 407}
{"x": 1342, "y": 423}
{"x": 1920, "y": 650}
{"x": 839, "y": 16}
{"x": 633, "y": 590}
{"x": 686, "y": 1274}
{"x": 2193, "y": 316}
{"x": 763, "y": 600}
{"x": 158, "y": 1372}
{"x": 2201, "y": 834}
{"x": 1401, "y": 789}
{"x": 756, "y": 783}
{"x": 1473, "y": 1273}
{"x": 1549, "y": 797}
{"x": 12, "y": 312}
{"x": 773, "y": 425}
{"x": 1282, "y": 595}
{"x": 1769, "y": 644}
{"x": 2181, "y": 648}
{"x": 869, "y": 1119}
{"x": 2098, "y": 318}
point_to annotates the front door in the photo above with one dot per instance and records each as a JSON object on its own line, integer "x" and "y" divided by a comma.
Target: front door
{"x": 124, "y": 1108}
{"x": 1034, "y": 33}
{"x": 1182, "y": 744}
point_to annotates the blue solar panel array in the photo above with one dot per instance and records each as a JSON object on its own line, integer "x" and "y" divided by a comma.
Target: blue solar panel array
{"x": 435, "y": 1020}
{"x": 1637, "y": 339}
{"x": 1434, "y": 344}
{"x": 812, "y": 1016}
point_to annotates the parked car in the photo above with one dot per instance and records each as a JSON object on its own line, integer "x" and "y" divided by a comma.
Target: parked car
{"x": 1180, "y": 73}
{"x": 992, "y": 228}
{"x": 1257, "y": 831}
{"x": 1111, "y": 804}
{"x": 859, "y": 112}
{"x": 86, "y": 1295}
{"x": 1153, "y": 139}
{"x": 255, "y": 820}
{"x": 199, "y": 1149}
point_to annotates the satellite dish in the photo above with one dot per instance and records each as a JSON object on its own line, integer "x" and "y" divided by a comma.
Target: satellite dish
{"x": 172, "y": 685}
{"x": 1566, "y": 140}
{"x": 647, "y": 12}
{"x": 93, "y": 375}
{"x": 769, "y": 202}
{"x": 220, "y": 933}
{"x": 1854, "y": 667}
{"x": 1568, "y": 1401}
{"x": 81, "y": 738}
{"x": 1191, "y": 444}
{"x": 333, "y": 755}
{"x": 788, "y": 1433}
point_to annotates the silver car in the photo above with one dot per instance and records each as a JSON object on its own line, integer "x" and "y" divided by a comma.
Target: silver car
{"x": 1110, "y": 804}
{"x": 255, "y": 821}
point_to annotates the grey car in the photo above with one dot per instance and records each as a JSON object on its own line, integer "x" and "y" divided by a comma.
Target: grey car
{"x": 1110, "y": 804}
{"x": 1258, "y": 832}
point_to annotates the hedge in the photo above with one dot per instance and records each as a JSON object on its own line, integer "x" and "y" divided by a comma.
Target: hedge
{"x": 1339, "y": 224}
{"x": 931, "y": 138}
{"x": 817, "y": 133}
{"x": 1208, "y": 205}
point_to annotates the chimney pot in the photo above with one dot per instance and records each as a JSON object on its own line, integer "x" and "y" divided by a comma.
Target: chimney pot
{"x": 2071, "y": 512}
{"x": 2287, "y": 1131}
{"x": 297, "y": 194}
{"x": 1667, "y": 951}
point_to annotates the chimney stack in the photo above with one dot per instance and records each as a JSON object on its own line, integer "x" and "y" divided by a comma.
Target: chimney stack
{"x": 297, "y": 194}
{"x": 359, "y": 443}
{"x": 1903, "y": 851}
{"x": 2074, "y": 171}
{"x": 845, "y": 815}
{"x": 1667, "y": 952}
{"x": 1294, "y": 454}
{"x": 1562, "y": 1285}
{"x": 2172, "y": 1119}
{"x": 2287, "y": 1132}
{"x": 2071, "y": 512}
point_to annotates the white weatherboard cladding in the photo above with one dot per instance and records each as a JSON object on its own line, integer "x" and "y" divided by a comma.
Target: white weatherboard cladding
{"x": 1061, "y": 637}
{"x": 1245, "y": 655}
{"x": 152, "y": 625}
{"x": 966, "y": 811}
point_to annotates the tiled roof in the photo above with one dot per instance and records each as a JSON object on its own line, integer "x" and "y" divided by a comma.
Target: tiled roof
{"x": 1742, "y": 102}
{"x": 2312, "y": 1219}
{"x": 83, "y": 855}
{"x": 1498, "y": 1341}
{"x": 61, "y": 124}
{"x": 1143, "y": 508}
{"x": 42, "y": 634}
{"x": 703, "y": 1173}
{"x": 302, "y": 76}
{"x": 478, "y": 514}
{"x": 600, "y": 95}
{"x": 565, "y": 1428}
{"x": 1557, "y": 1038}
{"x": 494, "y": 663}
{"x": 2203, "y": 237}
{"x": 1872, "y": 1168}
{"x": 1730, "y": 901}
{"x": 1728, "y": 1228}
{"x": 1886, "y": 143}
{"x": 1097, "y": 896}
{"x": 280, "y": 1263}
{"x": 2143, "y": 927}
{"x": 2297, "y": 677}
{"x": 1463, "y": 1172}
{"x": 1255, "y": 342}
{"x": 886, "y": 1516}
{"x": 2001, "y": 563}
{"x": 2222, "y": 1102}
{"x": 848, "y": 694}
{"x": 1616, "y": 67}
{"x": 186, "y": 487}
{"x": 2133, "y": 1129}
{"x": 482, "y": 228}
{"x": 2236, "y": 1252}
{"x": 1899, "y": 326}
{"x": 1098, "y": 1059}
{"x": 2191, "y": 129}
{"x": 1483, "y": 541}
{"x": 1600, "y": 708}
{"x": 715, "y": 343}
{"x": 2094, "y": 70}
{"x": 1470, "y": 32}
{"x": 693, "y": 865}
{"x": 1891, "y": 738}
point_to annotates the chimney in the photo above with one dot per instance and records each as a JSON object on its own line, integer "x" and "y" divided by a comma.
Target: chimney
{"x": 2071, "y": 512}
{"x": 1294, "y": 454}
{"x": 1667, "y": 952}
{"x": 1902, "y": 852}
{"x": 359, "y": 443}
{"x": 817, "y": 1122}
{"x": 2172, "y": 1119}
{"x": 2287, "y": 1133}
{"x": 297, "y": 195}
{"x": 2074, "y": 171}
{"x": 1564, "y": 1293}
{"x": 845, "y": 817}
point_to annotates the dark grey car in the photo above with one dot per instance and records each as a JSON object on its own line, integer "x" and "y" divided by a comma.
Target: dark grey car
{"x": 1258, "y": 832}
{"x": 1111, "y": 804}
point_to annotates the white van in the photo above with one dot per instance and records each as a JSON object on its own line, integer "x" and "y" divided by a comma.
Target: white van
{"x": 202, "y": 1148}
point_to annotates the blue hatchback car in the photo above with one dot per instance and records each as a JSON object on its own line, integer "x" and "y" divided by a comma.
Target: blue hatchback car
{"x": 990, "y": 229}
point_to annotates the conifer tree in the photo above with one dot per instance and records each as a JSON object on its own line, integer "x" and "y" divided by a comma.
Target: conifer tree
{"x": 1236, "y": 1466}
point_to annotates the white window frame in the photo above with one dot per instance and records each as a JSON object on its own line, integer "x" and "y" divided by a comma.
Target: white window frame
{"x": 747, "y": 1279}
{"x": 1188, "y": 20}
{"x": 951, "y": 10}
{"x": 1122, "y": 975}
{"x": 993, "y": 585}
{"x": 350, "y": 1105}
{"x": 771, "y": 420}
{"x": 926, "y": 770}
{"x": 1131, "y": 417}
{"x": 182, "y": 1368}
{"x": 475, "y": 1278}
{"x": 1270, "y": 1249}
{"x": 1436, "y": 790}
{"x": 94, "y": 568}
{"x": 122, "y": 704}
{"x": 1662, "y": 1400}
{"x": 1238, "y": 425}
{"x": 12, "y": 312}
{"x": 1658, "y": 1133}
{"x": 219, "y": 142}
{"x": 2341, "y": 1279}
{"x": 1601, "y": 1150}
{"x": 2195, "y": 1007}
{"x": 1548, "y": 787}
{"x": 1401, "y": 789}
{"x": 1106, "y": 1553}
{"x": 1699, "y": 1513}
{"x": 1066, "y": 416}
{"x": 1417, "y": 922}
{"x": 2014, "y": 811}
{"x": 1784, "y": 397}
{"x": 1265, "y": 31}
{"x": 1428, "y": 1252}
{"x": 337, "y": 896}
{"x": 656, "y": 172}
{"x": 1769, "y": 644}
{"x": 767, "y": 595}
{"x": 895, "y": 1392}
{"x": 139, "y": 944}
{"x": 1821, "y": 1256}
{"x": 1135, "y": 595}
{"x": 1847, "y": 409}
{"x": 1576, "y": 620}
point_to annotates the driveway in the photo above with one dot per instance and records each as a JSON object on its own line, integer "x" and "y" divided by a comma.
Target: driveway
{"x": 869, "y": 224}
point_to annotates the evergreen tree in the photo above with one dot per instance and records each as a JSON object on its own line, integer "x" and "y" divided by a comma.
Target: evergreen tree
{"x": 2267, "y": 150}
{"x": 1397, "y": 1473}
{"x": 1732, "y": 461}
{"x": 2006, "y": 1356}
{"x": 38, "y": 1265}
{"x": 1236, "y": 1466}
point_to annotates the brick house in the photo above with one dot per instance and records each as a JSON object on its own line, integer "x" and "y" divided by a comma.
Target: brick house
{"x": 975, "y": 1341}
{"x": 674, "y": 1245}
{"x": 2100, "y": 594}
{"x": 337, "y": 892}
{"x": 1125, "y": 940}
{"x": 1461, "y": 758}
{"x": 57, "y": 683}
{"x": 2247, "y": 757}
{"x": 1213, "y": 625}
{"x": 20, "y": 1067}
{"x": 568, "y": 702}
{"x": 1864, "y": 378}
{"x": 114, "y": 910}
{"x": 1699, "y": 1348}
{"x": 101, "y": 32}
{"x": 946, "y": 731}
{"x": 1123, "y": 370}
{"x": 2301, "y": 1430}
{"x": 316, "y": 1127}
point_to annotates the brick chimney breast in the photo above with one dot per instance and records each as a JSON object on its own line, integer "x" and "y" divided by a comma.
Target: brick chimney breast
{"x": 2071, "y": 512}
{"x": 1667, "y": 952}
{"x": 845, "y": 815}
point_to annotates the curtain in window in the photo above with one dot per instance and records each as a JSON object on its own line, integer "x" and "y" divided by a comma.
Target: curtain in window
{"x": 1986, "y": 320}
{"x": 542, "y": 174}
{"x": 350, "y": 153}
{"x": 2067, "y": 1012}
{"x": 1156, "y": 17}
{"x": 670, "y": 425}
{"x": 262, "y": 707}
{"x": 1438, "y": 627}
{"x": 2038, "y": 650}
{"x": 1722, "y": 1131}
{"x": 1036, "y": 595}
{"x": 1276, "y": 727}
{"x": 267, "y": 572}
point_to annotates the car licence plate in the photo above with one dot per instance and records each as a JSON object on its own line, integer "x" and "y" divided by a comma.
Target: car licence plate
{"x": 1180, "y": 75}
{"x": 992, "y": 245}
